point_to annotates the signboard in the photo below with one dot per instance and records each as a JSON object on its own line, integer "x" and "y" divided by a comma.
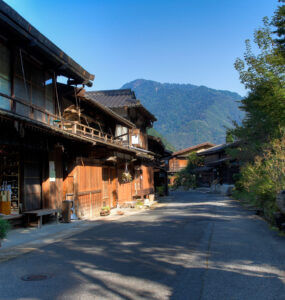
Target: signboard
{"x": 51, "y": 171}
{"x": 135, "y": 139}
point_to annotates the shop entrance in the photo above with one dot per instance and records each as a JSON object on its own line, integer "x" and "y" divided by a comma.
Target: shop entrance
{"x": 10, "y": 202}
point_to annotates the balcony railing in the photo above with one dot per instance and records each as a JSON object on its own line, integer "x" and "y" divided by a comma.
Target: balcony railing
{"x": 21, "y": 108}
{"x": 175, "y": 169}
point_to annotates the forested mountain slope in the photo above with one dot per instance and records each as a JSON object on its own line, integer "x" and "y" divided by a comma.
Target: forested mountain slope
{"x": 188, "y": 114}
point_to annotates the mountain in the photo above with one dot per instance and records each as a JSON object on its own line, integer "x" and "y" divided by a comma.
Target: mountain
{"x": 188, "y": 114}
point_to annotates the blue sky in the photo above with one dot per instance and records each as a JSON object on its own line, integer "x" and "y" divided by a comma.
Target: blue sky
{"x": 179, "y": 41}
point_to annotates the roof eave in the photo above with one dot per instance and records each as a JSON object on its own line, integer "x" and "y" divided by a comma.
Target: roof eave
{"x": 25, "y": 29}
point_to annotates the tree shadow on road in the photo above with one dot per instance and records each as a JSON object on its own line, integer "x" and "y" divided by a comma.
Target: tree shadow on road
{"x": 178, "y": 252}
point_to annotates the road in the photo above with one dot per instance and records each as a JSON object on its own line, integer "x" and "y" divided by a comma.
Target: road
{"x": 196, "y": 246}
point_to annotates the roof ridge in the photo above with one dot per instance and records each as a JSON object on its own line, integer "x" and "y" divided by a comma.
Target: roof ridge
{"x": 114, "y": 92}
{"x": 193, "y": 147}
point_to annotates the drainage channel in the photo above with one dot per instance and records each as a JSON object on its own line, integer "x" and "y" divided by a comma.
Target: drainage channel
{"x": 36, "y": 277}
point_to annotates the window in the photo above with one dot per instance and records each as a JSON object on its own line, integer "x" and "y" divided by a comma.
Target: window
{"x": 34, "y": 86}
{"x": 121, "y": 132}
{"x": 5, "y": 77}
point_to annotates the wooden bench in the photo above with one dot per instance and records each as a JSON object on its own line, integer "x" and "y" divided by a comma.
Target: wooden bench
{"x": 40, "y": 213}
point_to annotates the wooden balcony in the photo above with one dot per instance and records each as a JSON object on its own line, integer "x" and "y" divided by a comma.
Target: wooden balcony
{"x": 15, "y": 107}
{"x": 176, "y": 169}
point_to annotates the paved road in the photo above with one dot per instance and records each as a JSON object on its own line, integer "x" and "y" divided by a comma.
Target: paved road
{"x": 198, "y": 246}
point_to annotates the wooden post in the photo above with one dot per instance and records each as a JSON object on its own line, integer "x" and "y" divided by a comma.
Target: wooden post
{"x": 40, "y": 222}
{"x": 90, "y": 199}
{"x": 74, "y": 128}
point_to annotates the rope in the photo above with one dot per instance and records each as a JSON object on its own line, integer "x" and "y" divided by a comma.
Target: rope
{"x": 76, "y": 98}
{"x": 56, "y": 94}
{"x": 24, "y": 77}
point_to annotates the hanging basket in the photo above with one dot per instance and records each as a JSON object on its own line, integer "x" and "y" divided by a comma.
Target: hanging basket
{"x": 127, "y": 177}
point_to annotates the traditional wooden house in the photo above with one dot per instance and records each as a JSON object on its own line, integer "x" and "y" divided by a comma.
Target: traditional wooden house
{"x": 124, "y": 103}
{"x": 178, "y": 160}
{"x": 56, "y": 142}
{"x": 162, "y": 155}
{"x": 219, "y": 168}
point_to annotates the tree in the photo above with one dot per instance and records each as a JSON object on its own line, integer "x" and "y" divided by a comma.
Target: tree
{"x": 262, "y": 133}
{"x": 279, "y": 22}
{"x": 263, "y": 75}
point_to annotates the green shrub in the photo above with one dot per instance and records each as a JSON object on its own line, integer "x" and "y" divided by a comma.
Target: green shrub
{"x": 140, "y": 202}
{"x": 105, "y": 208}
{"x": 160, "y": 190}
{"x": 185, "y": 179}
{"x": 263, "y": 179}
{"x": 4, "y": 228}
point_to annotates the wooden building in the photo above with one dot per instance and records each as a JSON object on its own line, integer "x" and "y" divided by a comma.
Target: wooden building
{"x": 178, "y": 160}
{"x": 56, "y": 141}
{"x": 124, "y": 103}
{"x": 219, "y": 168}
{"x": 160, "y": 163}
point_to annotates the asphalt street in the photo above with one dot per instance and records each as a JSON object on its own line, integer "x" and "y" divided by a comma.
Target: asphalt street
{"x": 196, "y": 246}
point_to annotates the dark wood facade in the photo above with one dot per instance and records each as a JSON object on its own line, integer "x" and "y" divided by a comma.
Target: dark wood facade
{"x": 55, "y": 141}
{"x": 219, "y": 167}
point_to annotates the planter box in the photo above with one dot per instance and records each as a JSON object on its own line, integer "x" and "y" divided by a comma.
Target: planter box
{"x": 104, "y": 213}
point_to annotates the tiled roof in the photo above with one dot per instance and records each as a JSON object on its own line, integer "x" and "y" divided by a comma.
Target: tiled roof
{"x": 195, "y": 147}
{"x": 119, "y": 98}
{"x": 115, "y": 98}
{"x": 218, "y": 148}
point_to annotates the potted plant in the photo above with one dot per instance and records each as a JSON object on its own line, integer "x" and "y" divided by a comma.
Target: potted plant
{"x": 105, "y": 211}
{"x": 127, "y": 177}
{"x": 4, "y": 227}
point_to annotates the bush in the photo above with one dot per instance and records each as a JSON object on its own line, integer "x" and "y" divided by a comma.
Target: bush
{"x": 185, "y": 179}
{"x": 105, "y": 208}
{"x": 263, "y": 179}
{"x": 4, "y": 228}
{"x": 160, "y": 190}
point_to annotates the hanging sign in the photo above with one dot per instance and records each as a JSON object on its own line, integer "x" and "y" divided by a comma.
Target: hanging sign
{"x": 51, "y": 171}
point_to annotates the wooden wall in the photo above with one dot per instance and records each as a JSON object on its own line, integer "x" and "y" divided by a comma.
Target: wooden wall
{"x": 124, "y": 189}
{"x": 88, "y": 190}
{"x": 31, "y": 183}
{"x": 147, "y": 180}
{"x": 177, "y": 163}
{"x": 52, "y": 190}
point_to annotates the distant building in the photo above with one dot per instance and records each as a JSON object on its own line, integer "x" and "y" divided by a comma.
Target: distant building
{"x": 178, "y": 160}
{"x": 219, "y": 167}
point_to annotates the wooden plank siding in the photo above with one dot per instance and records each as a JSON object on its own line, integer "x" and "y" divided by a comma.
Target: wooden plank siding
{"x": 113, "y": 187}
{"x": 52, "y": 191}
{"x": 124, "y": 189}
{"x": 147, "y": 180}
{"x": 88, "y": 193}
{"x": 176, "y": 164}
